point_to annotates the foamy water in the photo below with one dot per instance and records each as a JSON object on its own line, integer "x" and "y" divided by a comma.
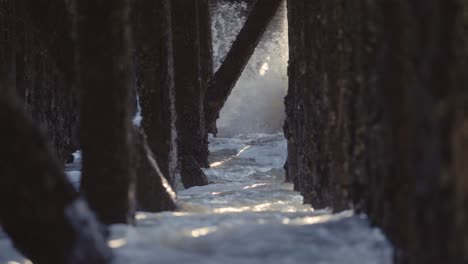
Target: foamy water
{"x": 247, "y": 215}
{"x": 256, "y": 104}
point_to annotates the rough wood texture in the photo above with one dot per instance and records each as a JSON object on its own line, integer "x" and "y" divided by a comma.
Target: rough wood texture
{"x": 229, "y": 72}
{"x": 190, "y": 86}
{"x": 35, "y": 54}
{"x": 206, "y": 42}
{"x": 315, "y": 81}
{"x": 377, "y": 117}
{"x": 103, "y": 56}
{"x": 206, "y": 72}
{"x": 153, "y": 191}
{"x": 154, "y": 63}
{"x": 293, "y": 104}
{"x": 39, "y": 209}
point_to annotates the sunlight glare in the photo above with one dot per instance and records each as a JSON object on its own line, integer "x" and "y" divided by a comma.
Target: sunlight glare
{"x": 141, "y": 216}
{"x": 311, "y": 220}
{"x": 265, "y": 67}
{"x": 242, "y": 150}
{"x": 180, "y": 213}
{"x": 219, "y": 163}
{"x": 26, "y": 261}
{"x": 232, "y": 210}
{"x": 117, "y": 243}
{"x": 254, "y": 186}
{"x": 262, "y": 207}
{"x": 203, "y": 231}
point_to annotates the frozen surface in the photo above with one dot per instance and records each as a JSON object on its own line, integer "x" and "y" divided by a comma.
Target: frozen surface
{"x": 247, "y": 215}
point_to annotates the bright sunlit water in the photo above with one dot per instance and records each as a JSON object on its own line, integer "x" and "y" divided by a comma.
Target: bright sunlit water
{"x": 247, "y": 215}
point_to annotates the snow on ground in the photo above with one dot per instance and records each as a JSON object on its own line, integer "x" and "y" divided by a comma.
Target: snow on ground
{"x": 247, "y": 215}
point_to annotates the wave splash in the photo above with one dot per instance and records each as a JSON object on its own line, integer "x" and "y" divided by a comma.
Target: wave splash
{"x": 256, "y": 104}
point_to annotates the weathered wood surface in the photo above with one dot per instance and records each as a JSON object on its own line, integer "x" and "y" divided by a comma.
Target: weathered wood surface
{"x": 377, "y": 117}
{"x": 39, "y": 208}
{"x": 104, "y": 68}
{"x": 36, "y": 52}
{"x": 154, "y": 66}
{"x": 190, "y": 62}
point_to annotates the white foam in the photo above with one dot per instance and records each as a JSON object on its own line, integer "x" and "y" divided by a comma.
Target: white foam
{"x": 256, "y": 103}
{"x": 249, "y": 215}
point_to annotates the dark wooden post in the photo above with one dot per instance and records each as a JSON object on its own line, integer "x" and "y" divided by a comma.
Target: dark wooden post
{"x": 8, "y": 44}
{"x": 104, "y": 79}
{"x": 153, "y": 60}
{"x": 189, "y": 82}
{"x": 378, "y": 117}
{"x": 39, "y": 208}
{"x": 293, "y": 106}
{"x": 153, "y": 57}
